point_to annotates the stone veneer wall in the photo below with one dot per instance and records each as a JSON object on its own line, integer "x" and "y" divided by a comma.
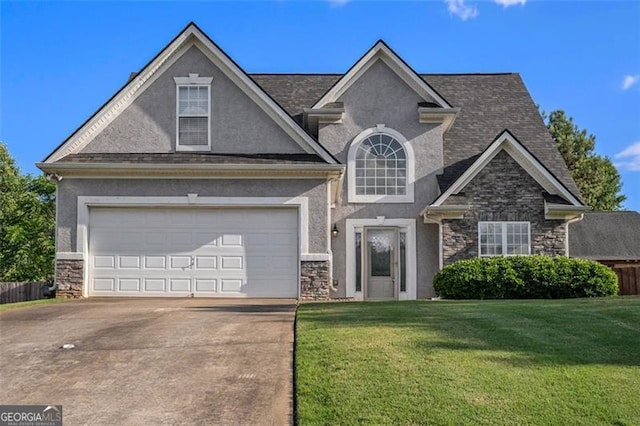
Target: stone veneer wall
{"x": 502, "y": 191}
{"x": 69, "y": 277}
{"x": 314, "y": 280}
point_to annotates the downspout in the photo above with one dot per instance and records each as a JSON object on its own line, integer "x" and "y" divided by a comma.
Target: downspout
{"x": 566, "y": 238}
{"x": 332, "y": 289}
{"x": 46, "y": 289}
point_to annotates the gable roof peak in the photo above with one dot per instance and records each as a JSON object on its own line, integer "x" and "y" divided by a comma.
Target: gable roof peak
{"x": 507, "y": 141}
{"x": 381, "y": 51}
{"x": 158, "y": 65}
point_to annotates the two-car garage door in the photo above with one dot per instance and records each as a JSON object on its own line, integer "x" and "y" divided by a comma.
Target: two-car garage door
{"x": 189, "y": 251}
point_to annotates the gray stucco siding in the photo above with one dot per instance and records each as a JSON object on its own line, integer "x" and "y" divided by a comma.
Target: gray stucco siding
{"x": 238, "y": 124}
{"x": 381, "y": 97}
{"x": 69, "y": 190}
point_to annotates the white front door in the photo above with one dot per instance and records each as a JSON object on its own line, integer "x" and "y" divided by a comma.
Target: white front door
{"x": 193, "y": 252}
{"x": 381, "y": 263}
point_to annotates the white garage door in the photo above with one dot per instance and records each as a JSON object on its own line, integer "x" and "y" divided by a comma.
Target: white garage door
{"x": 200, "y": 252}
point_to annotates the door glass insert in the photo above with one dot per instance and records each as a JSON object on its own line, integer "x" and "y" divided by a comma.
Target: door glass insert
{"x": 380, "y": 244}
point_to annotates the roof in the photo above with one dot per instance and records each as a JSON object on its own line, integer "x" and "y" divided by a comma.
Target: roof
{"x": 192, "y": 158}
{"x": 380, "y": 51}
{"x": 489, "y": 104}
{"x": 191, "y": 34}
{"x": 512, "y": 146}
{"x": 606, "y": 236}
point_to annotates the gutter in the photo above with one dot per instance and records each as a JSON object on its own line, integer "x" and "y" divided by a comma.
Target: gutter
{"x": 189, "y": 170}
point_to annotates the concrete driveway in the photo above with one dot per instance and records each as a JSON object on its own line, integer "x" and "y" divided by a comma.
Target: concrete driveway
{"x": 152, "y": 361}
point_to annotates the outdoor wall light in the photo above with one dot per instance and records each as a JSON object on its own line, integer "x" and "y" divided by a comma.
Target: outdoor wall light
{"x": 334, "y": 231}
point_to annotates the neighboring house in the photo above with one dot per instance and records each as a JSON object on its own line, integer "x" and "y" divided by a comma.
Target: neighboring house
{"x": 197, "y": 179}
{"x": 611, "y": 238}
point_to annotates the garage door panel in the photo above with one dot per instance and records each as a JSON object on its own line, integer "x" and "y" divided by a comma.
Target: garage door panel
{"x": 206, "y": 286}
{"x": 231, "y": 285}
{"x": 106, "y": 262}
{"x": 179, "y": 262}
{"x": 207, "y": 252}
{"x": 104, "y": 284}
{"x": 155, "y": 262}
{"x": 207, "y": 239}
{"x": 154, "y": 285}
{"x": 231, "y": 240}
{"x": 129, "y": 262}
{"x": 180, "y": 285}
{"x": 129, "y": 284}
{"x": 206, "y": 262}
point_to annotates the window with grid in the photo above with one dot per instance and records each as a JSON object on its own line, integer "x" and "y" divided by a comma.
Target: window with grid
{"x": 504, "y": 238}
{"x": 193, "y": 116}
{"x": 380, "y": 167}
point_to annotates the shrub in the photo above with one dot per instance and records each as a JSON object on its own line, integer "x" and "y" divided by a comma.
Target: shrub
{"x": 525, "y": 277}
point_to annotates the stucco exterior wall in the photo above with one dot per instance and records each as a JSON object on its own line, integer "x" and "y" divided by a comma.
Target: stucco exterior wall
{"x": 238, "y": 124}
{"x": 70, "y": 189}
{"x": 381, "y": 97}
{"x": 502, "y": 191}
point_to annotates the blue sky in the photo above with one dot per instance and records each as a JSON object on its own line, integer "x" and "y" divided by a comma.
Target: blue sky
{"x": 61, "y": 60}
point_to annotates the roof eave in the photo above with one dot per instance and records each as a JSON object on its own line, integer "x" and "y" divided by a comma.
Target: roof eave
{"x": 563, "y": 211}
{"x": 189, "y": 170}
{"x": 446, "y": 116}
{"x": 435, "y": 214}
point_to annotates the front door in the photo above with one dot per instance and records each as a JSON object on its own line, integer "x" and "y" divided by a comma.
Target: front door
{"x": 381, "y": 263}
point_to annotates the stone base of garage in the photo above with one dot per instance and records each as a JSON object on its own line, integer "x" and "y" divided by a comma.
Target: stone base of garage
{"x": 314, "y": 279}
{"x": 69, "y": 277}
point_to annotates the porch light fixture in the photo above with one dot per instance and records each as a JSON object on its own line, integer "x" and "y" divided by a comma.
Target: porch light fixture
{"x": 334, "y": 231}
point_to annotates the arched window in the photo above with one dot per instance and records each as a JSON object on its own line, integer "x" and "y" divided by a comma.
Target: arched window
{"x": 380, "y": 167}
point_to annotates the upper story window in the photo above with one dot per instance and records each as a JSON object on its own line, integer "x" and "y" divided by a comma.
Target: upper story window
{"x": 380, "y": 167}
{"x": 193, "y": 111}
{"x": 504, "y": 238}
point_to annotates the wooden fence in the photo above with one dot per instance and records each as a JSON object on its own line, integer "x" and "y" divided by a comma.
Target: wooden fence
{"x": 628, "y": 279}
{"x": 20, "y": 292}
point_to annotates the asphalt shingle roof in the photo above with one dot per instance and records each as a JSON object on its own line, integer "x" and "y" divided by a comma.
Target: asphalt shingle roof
{"x": 489, "y": 104}
{"x": 606, "y": 236}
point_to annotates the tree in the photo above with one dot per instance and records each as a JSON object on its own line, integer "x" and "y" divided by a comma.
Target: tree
{"x": 27, "y": 223}
{"x": 596, "y": 176}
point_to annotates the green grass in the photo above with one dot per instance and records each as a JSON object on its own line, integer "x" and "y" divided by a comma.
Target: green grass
{"x": 561, "y": 362}
{"x": 7, "y": 306}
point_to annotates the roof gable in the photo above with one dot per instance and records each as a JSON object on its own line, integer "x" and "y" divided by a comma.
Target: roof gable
{"x": 488, "y": 104}
{"x": 169, "y": 55}
{"x": 381, "y": 52}
{"x": 505, "y": 141}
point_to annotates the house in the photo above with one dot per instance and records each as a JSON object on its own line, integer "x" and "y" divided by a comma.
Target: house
{"x": 197, "y": 179}
{"x": 611, "y": 238}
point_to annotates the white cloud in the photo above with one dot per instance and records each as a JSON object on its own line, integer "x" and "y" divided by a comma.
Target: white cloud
{"x": 507, "y": 3}
{"x": 461, "y": 10}
{"x": 629, "y": 81}
{"x": 629, "y": 158}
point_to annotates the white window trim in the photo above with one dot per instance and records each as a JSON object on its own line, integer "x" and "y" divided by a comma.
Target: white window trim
{"x": 191, "y": 200}
{"x": 351, "y": 167}
{"x": 194, "y": 80}
{"x": 403, "y": 225}
{"x": 504, "y": 224}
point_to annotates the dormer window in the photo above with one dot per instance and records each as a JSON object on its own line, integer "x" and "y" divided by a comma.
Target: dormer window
{"x": 193, "y": 113}
{"x": 380, "y": 167}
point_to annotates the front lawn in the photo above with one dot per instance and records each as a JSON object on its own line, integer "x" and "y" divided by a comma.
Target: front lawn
{"x": 547, "y": 362}
{"x": 7, "y": 306}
